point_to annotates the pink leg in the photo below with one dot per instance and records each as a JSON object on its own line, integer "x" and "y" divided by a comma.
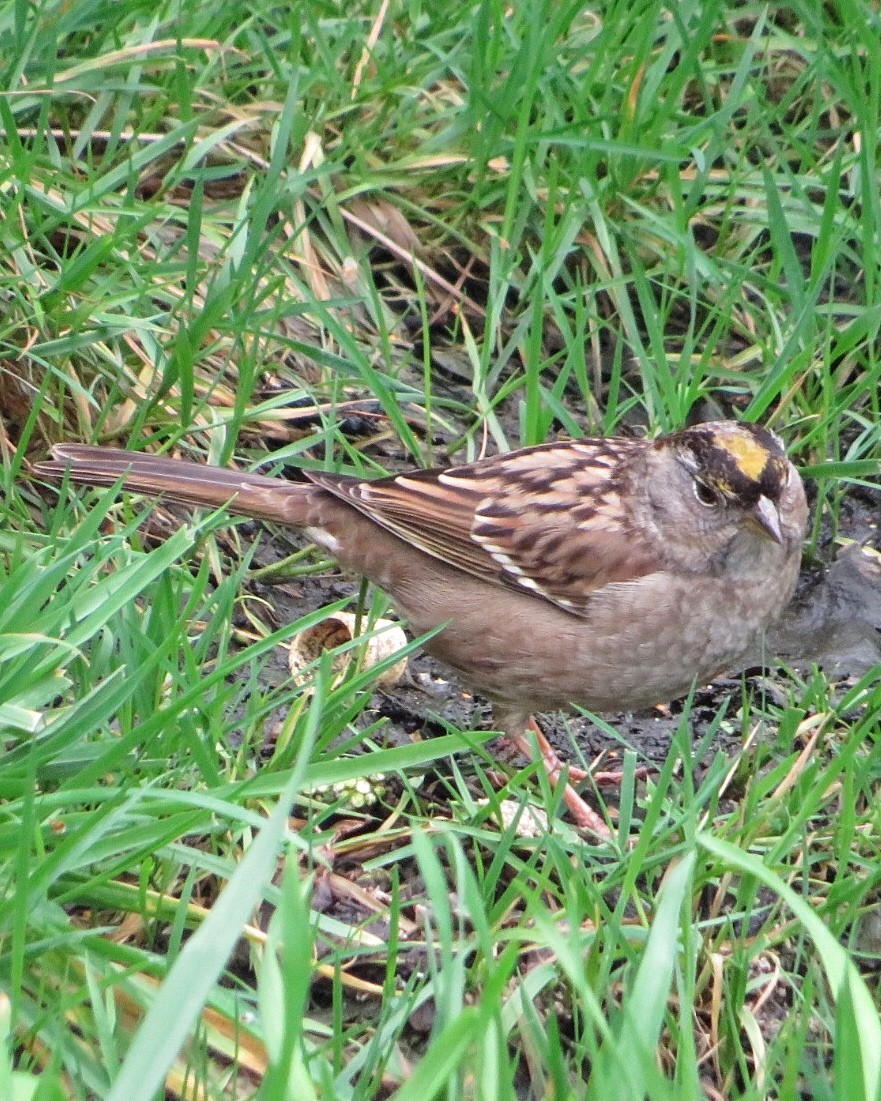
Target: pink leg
{"x": 578, "y": 775}
{"x": 582, "y": 814}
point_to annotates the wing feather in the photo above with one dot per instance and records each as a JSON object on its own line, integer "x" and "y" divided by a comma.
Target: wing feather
{"x": 548, "y": 520}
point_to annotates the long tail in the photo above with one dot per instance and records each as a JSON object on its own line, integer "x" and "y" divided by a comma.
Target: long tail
{"x": 190, "y": 483}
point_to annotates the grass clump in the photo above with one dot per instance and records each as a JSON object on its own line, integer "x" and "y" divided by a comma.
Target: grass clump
{"x": 364, "y": 237}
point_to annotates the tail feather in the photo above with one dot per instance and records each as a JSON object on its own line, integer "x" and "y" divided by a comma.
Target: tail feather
{"x": 177, "y": 480}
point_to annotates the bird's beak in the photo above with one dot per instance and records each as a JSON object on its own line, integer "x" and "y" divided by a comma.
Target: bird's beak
{"x": 767, "y": 518}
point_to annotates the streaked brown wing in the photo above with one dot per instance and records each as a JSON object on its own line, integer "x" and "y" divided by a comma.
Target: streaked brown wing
{"x": 544, "y": 519}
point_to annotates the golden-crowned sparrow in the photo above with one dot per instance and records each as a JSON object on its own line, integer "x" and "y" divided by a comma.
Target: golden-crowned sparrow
{"x": 610, "y": 573}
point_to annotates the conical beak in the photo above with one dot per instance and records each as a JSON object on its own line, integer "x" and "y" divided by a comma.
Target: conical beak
{"x": 767, "y": 518}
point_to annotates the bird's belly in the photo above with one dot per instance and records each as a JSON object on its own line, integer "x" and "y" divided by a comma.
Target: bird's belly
{"x": 636, "y": 648}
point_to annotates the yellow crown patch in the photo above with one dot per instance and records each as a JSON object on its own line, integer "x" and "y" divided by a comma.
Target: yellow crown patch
{"x": 748, "y": 454}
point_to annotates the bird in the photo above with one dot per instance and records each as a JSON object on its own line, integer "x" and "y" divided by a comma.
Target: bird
{"x": 610, "y": 573}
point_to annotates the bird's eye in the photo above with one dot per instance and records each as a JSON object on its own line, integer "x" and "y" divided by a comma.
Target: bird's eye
{"x": 706, "y": 495}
